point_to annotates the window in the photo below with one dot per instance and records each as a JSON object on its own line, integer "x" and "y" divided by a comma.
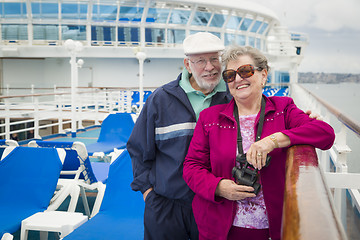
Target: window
{"x": 245, "y": 24}
{"x": 73, "y": 32}
{"x": 45, "y": 10}
{"x": 158, "y": 15}
{"x": 102, "y": 33}
{"x": 14, "y": 32}
{"x": 73, "y": 11}
{"x": 13, "y": 10}
{"x": 241, "y": 40}
{"x": 176, "y": 36}
{"x": 263, "y": 28}
{"x": 104, "y": 12}
{"x": 45, "y": 32}
{"x": 179, "y": 16}
{"x": 282, "y": 77}
{"x": 258, "y": 43}
{"x": 252, "y": 41}
{"x": 133, "y": 14}
{"x": 155, "y": 35}
{"x": 201, "y": 18}
{"x": 229, "y": 39}
{"x": 233, "y": 22}
{"x": 217, "y": 20}
{"x": 256, "y": 26}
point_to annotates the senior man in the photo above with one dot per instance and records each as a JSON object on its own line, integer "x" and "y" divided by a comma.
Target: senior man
{"x": 162, "y": 134}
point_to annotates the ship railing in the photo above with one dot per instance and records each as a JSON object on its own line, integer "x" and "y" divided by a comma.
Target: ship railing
{"x": 344, "y": 185}
{"x": 41, "y": 114}
{"x": 309, "y": 211}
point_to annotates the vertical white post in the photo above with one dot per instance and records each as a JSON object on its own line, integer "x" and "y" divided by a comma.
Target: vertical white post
{"x": 78, "y": 101}
{"x": 141, "y": 56}
{"x": 7, "y": 118}
{"x": 341, "y": 167}
{"x": 36, "y": 119}
{"x": 73, "y": 92}
{"x": 74, "y": 47}
{"x": 60, "y": 121}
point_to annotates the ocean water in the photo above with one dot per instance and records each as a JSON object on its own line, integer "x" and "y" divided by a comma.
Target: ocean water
{"x": 346, "y": 98}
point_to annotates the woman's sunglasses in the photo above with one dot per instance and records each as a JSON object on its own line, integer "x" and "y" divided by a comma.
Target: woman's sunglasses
{"x": 244, "y": 71}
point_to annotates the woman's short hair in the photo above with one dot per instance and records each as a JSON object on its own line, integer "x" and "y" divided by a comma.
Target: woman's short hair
{"x": 234, "y": 51}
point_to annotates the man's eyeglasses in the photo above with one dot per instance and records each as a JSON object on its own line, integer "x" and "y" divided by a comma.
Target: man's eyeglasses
{"x": 201, "y": 63}
{"x": 244, "y": 71}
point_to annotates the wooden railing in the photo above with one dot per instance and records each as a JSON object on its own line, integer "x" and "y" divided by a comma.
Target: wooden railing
{"x": 309, "y": 211}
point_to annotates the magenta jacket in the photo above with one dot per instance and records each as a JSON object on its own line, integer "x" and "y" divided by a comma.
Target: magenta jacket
{"x": 211, "y": 157}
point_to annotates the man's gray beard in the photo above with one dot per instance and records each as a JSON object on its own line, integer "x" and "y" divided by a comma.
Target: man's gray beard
{"x": 209, "y": 87}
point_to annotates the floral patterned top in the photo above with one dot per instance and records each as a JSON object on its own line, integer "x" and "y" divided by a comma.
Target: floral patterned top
{"x": 250, "y": 212}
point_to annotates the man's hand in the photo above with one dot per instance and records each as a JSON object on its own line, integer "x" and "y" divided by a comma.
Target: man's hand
{"x": 313, "y": 115}
{"x": 146, "y": 193}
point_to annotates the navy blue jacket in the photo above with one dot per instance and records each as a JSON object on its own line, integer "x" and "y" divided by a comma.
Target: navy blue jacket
{"x": 160, "y": 139}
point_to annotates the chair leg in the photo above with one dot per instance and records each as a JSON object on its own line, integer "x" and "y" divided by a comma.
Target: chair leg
{"x": 23, "y": 232}
{"x": 85, "y": 201}
{"x": 43, "y": 235}
{"x": 100, "y": 195}
{"x": 72, "y": 190}
{"x": 74, "y": 197}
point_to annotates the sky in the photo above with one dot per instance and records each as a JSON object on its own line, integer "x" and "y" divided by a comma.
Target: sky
{"x": 333, "y": 27}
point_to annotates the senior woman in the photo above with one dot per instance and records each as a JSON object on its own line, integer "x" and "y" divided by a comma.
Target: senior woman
{"x": 222, "y": 208}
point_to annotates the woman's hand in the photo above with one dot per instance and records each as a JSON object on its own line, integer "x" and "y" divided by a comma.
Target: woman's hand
{"x": 258, "y": 151}
{"x": 230, "y": 190}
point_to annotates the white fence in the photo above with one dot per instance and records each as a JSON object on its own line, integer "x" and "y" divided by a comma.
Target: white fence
{"x": 34, "y": 114}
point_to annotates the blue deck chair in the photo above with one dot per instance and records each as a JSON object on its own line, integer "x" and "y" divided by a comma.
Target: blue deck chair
{"x": 28, "y": 179}
{"x": 78, "y": 174}
{"x": 121, "y": 211}
{"x": 115, "y": 132}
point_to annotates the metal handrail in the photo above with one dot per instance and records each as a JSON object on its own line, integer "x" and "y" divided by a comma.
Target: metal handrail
{"x": 348, "y": 121}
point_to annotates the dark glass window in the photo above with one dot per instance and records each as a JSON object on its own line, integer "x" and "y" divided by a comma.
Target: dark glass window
{"x": 104, "y": 12}
{"x": 246, "y": 24}
{"x": 45, "y": 10}
{"x": 74, "y": 32}
{"x": 201, "y": 18}
{"x": 73, "y": 11}
{"x": 13, "y": 10}
{"x": 158, "y": 15}
{"x": 217, "y": 20}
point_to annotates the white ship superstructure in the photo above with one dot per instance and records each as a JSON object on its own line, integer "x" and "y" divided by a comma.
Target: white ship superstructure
{"x": 33, "y": 35}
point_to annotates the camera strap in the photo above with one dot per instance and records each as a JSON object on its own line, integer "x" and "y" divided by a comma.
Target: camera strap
{"x": 260, "y": 126}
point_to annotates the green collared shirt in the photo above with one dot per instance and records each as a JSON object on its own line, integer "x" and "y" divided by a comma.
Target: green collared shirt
{"x": 198, "y": 100}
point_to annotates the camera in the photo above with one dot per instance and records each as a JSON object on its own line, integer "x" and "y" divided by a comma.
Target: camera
{"x": 247, "y": 174}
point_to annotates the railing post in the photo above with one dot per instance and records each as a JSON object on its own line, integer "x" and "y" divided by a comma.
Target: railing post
{"x": 7, "y": 118}
{"x": 325, "y": 156}
{"x": 60, "y": 106}
{"x": 97, "y": 96}
{"x": 128, "y": 101}
{"x": 79, "y": 114}
{"x": 341, "y": 167}
{"x": 36, "y": 119}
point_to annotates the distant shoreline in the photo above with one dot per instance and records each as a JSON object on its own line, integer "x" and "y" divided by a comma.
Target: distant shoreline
{"x": 310, "y": 77}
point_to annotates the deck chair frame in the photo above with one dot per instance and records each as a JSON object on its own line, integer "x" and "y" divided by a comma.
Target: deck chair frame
{"x": 75, "y": 186}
